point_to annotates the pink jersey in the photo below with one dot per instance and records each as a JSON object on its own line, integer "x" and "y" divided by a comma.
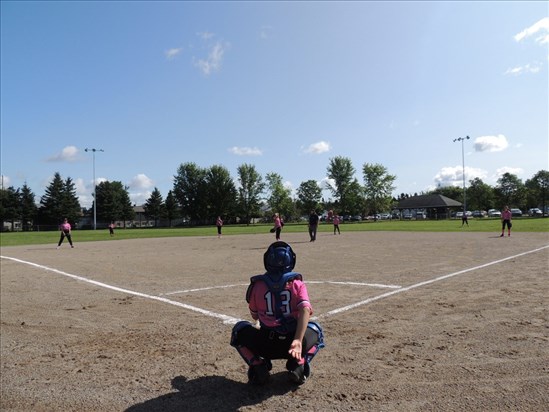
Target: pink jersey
{"x": 293, "y": 297}
{"x": 506, "y": 215}
{"x": 277, "y": 222}
{"x": 65, "y": 227}
{"x": 336, "y": 220}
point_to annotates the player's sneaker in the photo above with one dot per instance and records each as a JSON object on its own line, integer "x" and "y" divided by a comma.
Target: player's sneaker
{"x": 258, "y": 374}
{"x": 298, "y": 373}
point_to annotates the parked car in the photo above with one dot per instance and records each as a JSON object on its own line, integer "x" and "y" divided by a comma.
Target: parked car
{"x": 459, "y": 215}
{"x": 494, "y": 213}
{"x": 386, "y": 216}
{"x": 479, "y": 213}
{"x": 535, "y": 212}
{"x": 356, "y": 218}
{"x": 516, "y": 212}
{"x": 407, "y": 215}
{"x": 421, "y": 215}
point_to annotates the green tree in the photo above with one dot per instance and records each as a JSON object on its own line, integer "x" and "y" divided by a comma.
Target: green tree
{"x": 171, "y": 208}
{"x": 190, "y": 190}
{"x": 9, "y": 205}
{"x": 341, "y": 171}
{"x": 279, "y": 197}
{"x": 128, "y": 213}
{"x": 59, "y": 201}
{"x": 221, "y": 192}
{"x": 354, "y": 198}
{"x": 70, "y": 202}
{"x": 538, "y": 190}
{"x": 112, "y": 201}
{"x": 510, "y": 191}
{"x": 154, "y": 206}
{"x": 249, "y": 192}
{"x": 451, "y": 192}
{"x": 309, "y": 194}
{"x": 378, "y": 187}
{"x": 28, "y": 209}
{"x": 480, "y": 196}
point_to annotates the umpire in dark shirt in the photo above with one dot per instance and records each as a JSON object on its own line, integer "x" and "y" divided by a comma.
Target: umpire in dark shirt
{"x": 313, "y": 225}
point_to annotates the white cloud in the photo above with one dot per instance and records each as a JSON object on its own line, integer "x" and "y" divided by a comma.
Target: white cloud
{"x": 506, "y": 169}
{"x": 6, "y": 182}
{"x": 327, "y": 183}
{"x": 139, "y": 198}
{"x": 172, "y": 53}
{"x": 265, "y": 32}
{"x": 491, "y": 143}
{"x": 141, "y": 181}
{"x": 68, "y": 154}
{"x": 453, "y": 176}
{"x": 540, "y": 28}
{"x": 318, "y": 147}
{"x": 205, "y": 35}
{"x": 517, "y": 71}
{"x": 212, "y": 62}
{"x": 245, "y": 151}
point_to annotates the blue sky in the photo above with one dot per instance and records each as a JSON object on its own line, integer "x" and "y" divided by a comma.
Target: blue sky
{"x": 285, "y": 86}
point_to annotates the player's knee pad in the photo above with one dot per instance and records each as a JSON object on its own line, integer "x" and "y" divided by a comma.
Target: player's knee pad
{"x": 315, "y": 330}
{"x": 243, "y": 324}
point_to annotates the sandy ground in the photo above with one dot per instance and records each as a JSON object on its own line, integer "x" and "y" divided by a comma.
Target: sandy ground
{"x": 413, "y": 322}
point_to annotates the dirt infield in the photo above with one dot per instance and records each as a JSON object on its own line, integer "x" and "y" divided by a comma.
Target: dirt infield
{"x": 413, "y": 322}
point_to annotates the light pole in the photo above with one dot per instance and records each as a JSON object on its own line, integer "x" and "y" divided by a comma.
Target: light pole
{"x": 94, "y": 194}
{"x": 462, "y": 139}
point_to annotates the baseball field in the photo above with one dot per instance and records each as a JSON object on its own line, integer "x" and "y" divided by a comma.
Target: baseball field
{"x": 413, "y": 321}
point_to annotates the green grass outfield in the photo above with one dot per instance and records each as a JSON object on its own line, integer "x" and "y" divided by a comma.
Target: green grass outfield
{"x": 524, "y": 224}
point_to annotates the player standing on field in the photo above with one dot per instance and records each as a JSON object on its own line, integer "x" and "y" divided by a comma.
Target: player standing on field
{"x": 506, "y": 216}
{"x": 65, "y": 229}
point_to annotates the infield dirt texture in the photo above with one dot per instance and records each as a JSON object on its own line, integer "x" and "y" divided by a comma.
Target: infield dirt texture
{"x": 412, "y": 322}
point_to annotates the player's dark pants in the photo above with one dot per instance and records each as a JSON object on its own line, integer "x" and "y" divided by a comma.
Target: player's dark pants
{"x": 269, "y": 344}
{"x": 507, "y": 223}
{"x": 63, "y": 235}
{"x": 312, "y": 231}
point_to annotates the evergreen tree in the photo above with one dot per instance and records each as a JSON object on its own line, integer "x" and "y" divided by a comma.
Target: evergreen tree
{"x": 9, "y": 205}
{"x": 171, "y": 208}
{"x": 28, "y": 209}
{"x": 59, "y": 202}
{"x": 154, "y": 206}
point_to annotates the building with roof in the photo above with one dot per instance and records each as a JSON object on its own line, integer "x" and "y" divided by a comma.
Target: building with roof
{"x": 435, "y": 206}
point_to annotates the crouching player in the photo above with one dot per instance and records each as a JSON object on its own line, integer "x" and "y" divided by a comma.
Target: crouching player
{"x": 280, "y": 301}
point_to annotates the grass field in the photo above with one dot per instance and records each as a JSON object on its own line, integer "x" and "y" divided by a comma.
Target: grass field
{"x": 475, "y": 225}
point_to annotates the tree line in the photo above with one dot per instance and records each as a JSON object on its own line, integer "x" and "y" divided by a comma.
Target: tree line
{"x": 201, "y": 194}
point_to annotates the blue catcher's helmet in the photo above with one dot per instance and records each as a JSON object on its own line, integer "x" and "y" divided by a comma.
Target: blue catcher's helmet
{"x": 279, "y": 258}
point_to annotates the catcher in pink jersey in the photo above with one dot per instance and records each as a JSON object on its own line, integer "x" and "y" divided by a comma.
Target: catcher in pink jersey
{"x": 280, "y": 302}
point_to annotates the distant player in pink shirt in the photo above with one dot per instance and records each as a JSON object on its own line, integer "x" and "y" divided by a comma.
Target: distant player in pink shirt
{"x": 278, "y": 224}
{"x": 219, "y": 224}
{"x": 506, "y": 216}
{"x": 335, "y": 220}
{"x": 65, "y": 229}
{"x": 279, "y": 301}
